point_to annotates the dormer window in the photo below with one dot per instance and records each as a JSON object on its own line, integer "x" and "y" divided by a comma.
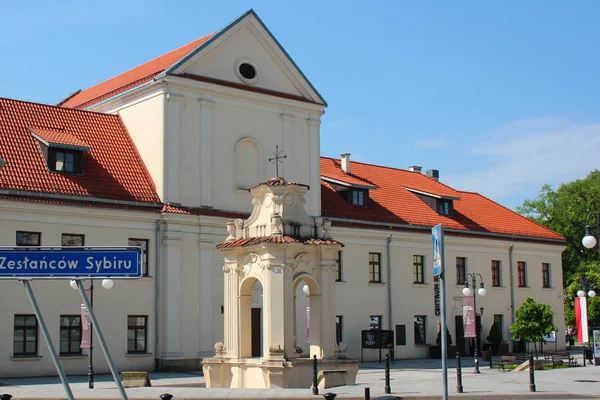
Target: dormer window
{"x": 443, "y": 205}
{"x": 63, "y": 152}
{"x": 354, "y": 193}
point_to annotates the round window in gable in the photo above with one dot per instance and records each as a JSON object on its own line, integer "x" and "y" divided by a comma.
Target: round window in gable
{"x": 247, "y": 71}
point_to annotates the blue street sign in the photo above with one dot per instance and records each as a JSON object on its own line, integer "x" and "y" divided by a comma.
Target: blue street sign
{"x": 70, "y": 263}
{"x": 437, "y": 244}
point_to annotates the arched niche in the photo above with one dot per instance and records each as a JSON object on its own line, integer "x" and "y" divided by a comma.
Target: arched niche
{"x": 249, "y": 163}
{"x": 307, "y": 314}
{"x": 251, "y": 327}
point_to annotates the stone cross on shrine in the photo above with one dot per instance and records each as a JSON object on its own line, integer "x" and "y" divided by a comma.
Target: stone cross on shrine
{"x": 277, "y": 159}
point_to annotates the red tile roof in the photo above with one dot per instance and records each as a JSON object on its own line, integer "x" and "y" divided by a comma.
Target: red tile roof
{"x": 210, "y": 212}
{"x": 59, "y": 138}
{"x": 112, "y": 169}
{"x": 332, "y": 169}
{"x": 274, "y": 239}
{"x": 134, "y": 77}
{"x": 393, "y": 203}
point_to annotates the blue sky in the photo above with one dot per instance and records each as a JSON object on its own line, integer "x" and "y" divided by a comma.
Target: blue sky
{"x": 501, "y": 97}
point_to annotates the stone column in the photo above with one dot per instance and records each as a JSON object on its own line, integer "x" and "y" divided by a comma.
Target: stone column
{"x": 172, "y": 147}
{"x": 172, "y": 246}
{"x": 206, "y": 307}
{"x": 327, "y": 310}
{"x": 273, "y": 312}
{"x": 232, "y": 310}
{"x": 206, "y": 108}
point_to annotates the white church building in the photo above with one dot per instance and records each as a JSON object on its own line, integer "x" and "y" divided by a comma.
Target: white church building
{"x": 162, "y": 157}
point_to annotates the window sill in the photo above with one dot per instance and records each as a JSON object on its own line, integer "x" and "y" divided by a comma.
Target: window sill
{"x": 377, "y": 283}
{"x": 26, "y": 358}
{"x": 340, "y": 281}
{"x": 497, "y": 287}
{"x": 522, "y": 287}
{"x": 138, "y": 354}
{"x": 548, "y": 289}
{"x": 420, "y": 285}
{"x": 72, "y": 356}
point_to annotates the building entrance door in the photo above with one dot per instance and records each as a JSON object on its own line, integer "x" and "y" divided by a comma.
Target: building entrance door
{"x": 256, "y": 332}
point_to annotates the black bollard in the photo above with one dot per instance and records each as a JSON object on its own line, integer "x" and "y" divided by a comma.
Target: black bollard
{"x": 388, "y": 390}
{"x": 459, "y": 385}
{"x": 166, "y": 396}
{"x": 367, "y": 393}
{"x": 531, "y": 373}
{"x": 315, "y": 389}
{"x": 329, "y": 396}
{"x": 5, "y": 396}
{"x": 583, "y": 356}
{"x": 491, "y": 360}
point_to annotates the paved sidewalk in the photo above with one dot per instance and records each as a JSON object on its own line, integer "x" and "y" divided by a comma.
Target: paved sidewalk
{"x": 420, "y": 379}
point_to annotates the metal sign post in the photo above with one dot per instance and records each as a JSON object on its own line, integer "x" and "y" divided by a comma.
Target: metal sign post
{"x": 111, "y": 364}
{"x": 437, "y": 242}
{"x": 46, "y": 335}
{"x": 76, "y": 263}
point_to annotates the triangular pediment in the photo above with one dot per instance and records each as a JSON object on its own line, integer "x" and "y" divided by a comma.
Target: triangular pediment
{"x": 247, "y": 41}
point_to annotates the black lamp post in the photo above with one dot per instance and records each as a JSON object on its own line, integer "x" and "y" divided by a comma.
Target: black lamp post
{"x": 589, "y": 239}
{"x": 107, "y": 284}
{"x": 467, "y": 292}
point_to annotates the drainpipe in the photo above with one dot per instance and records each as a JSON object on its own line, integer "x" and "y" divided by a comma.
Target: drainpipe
{"x": 512, "y": 284}
{"x": 156, "y": 297}
{"x": 389, "y": 280}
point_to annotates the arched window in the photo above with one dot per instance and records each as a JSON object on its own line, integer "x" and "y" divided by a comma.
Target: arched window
{"x": 249, "y": 163}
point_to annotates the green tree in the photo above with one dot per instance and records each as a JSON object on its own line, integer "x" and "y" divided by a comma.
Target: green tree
{"x": 565, "y": 211}
{"x": 533, "y": 322}
{"x": 592, "y": 274}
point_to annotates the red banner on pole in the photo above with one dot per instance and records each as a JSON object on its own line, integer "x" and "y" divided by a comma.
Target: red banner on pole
{"x": 469, "y": 316}
{"x": 86, "y": 324}
{"x": 581, "y": 319}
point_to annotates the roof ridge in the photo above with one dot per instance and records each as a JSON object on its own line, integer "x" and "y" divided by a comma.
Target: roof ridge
{"x": 59, "y": 107}
{"x": 396, "y": 169}
{"x": 516, "y": 213}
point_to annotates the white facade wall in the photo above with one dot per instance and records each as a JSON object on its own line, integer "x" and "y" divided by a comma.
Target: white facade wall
{"x": 410, "y": 299}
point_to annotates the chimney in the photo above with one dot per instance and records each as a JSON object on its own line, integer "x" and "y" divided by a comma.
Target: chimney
{"x": 415, "y": 168}
{"x": 346, "y": 162}
{"x": 433, "y": 173}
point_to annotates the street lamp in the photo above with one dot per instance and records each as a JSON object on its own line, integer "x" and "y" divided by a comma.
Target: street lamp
{"x": 468, "y": 292}
{"x": 106, "y": 284}
{"x": 581, "y": 293}
{"x": 589, "y": 240}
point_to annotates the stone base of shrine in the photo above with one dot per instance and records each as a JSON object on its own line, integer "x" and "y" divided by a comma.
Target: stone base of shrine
{"x": 258, "y": 373}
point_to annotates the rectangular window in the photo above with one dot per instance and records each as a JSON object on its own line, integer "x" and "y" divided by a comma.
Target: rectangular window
{"x": 137, "y": 333}
{"x": 420, "y": 329}
{"x": 28, "y": 238}
{"x": 338, "y": 276}
{"x": 64, "y": 161}
{"x": 375, "y": 322}
{"x": 419, "y": 269}
{"x": 339, "y": 322}
{"x": 375, "y": 267}
{"x": 25, "y": 338}
{"x": 143, "y": 243}
{"x": 522, "y": 273}
{"x": 461, "y": 270}
{"x": 357, "y": 197}
{"x": 445, "y": 207}
{"x": 499, "y": 320}
{"x": 496, "y": 273}
{"x": 69, "y": 239}
{"x": 70, "y": 334}
{"x": 545, "y": 275}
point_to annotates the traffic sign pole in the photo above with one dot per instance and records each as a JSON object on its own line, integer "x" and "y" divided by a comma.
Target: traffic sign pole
{"x": 46, "y": 335}
{"x": 109, "y": 360}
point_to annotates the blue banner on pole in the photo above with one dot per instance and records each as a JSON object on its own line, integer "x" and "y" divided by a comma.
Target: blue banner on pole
{"x": 437, "y": 244}
{"x": 70, "y": 263}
